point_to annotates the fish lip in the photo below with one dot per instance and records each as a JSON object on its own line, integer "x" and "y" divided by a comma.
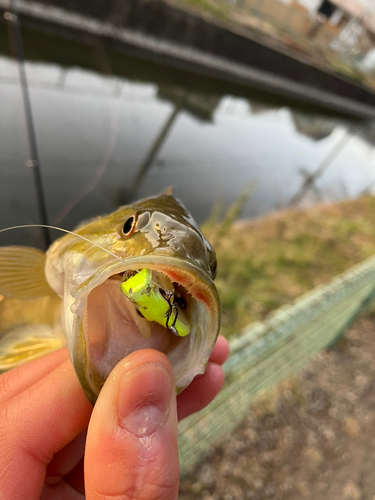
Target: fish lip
{"x": 195, "y": 281}
{"x": 169, "y": 265}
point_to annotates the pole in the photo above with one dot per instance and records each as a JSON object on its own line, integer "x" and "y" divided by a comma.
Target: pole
{"x": 33, "y": 160}
{"x": 157, "y": 144}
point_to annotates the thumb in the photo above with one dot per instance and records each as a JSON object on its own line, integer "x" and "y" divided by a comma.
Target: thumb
{"x": 131, "y": 448}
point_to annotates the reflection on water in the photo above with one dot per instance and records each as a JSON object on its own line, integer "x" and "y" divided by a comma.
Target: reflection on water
{"x": 100, "y": 137}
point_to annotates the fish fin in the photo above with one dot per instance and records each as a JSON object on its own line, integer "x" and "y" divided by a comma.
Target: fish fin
{"x": 22, "y": 273}
{"x": 27, "y": 342}
{"x": 168, "y": 191}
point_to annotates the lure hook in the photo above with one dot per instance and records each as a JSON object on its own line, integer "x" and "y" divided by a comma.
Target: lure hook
{"x": 170, "y": 297}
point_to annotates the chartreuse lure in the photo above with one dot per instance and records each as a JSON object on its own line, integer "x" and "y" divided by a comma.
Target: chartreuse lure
{"x": 156, "y": 303}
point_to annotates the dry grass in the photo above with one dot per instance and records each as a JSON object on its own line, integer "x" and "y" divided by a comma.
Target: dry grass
{"x": 266, "y": 263}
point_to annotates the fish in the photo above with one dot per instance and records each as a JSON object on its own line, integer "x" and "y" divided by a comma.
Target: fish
{"x": 141, "y": 277}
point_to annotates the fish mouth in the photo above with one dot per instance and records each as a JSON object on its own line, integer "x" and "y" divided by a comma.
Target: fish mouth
{"x": 105, "y": 325}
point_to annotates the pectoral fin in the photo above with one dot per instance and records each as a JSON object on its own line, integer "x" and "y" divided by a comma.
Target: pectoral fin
{"x": 22, "y": 273}
{"x": 27, "y": 342}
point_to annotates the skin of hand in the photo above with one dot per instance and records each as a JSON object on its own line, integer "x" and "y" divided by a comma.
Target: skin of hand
{"x": 55, "y": 445}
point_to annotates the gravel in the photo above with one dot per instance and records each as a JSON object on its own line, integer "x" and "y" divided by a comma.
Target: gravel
{"x": 312, "y": 437}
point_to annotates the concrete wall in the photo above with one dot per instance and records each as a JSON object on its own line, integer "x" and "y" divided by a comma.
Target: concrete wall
{"x": 187, "y": 29}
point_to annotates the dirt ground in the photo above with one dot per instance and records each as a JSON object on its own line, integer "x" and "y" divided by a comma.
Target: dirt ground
{"x": 313, "y": 437}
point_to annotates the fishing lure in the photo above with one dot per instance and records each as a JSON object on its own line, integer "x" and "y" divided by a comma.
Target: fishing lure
{"x": 156, "y": 302}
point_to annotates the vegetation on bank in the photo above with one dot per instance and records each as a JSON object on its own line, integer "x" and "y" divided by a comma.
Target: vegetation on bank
{"x": 268, "y": 262}
{"x": 221, "y": 12}
{"x": 259, "y": 23}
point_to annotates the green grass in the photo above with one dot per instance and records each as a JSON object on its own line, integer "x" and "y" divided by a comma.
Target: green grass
{"x": 269, "y": 262}
{"x": 218, "y": 10}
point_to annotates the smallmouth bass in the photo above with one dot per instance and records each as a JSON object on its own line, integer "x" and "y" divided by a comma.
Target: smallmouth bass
{"x": 141, "y": 277}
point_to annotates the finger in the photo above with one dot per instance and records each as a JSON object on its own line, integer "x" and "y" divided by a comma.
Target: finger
{"x": 220, "y": 352}
{"x": 66, "y": 459}
{"x": 21, "y": 378}
{"x": 35, "y": 425}
{"x": 203, "y": 389}
{"x": 75, "y": 478}
{"x": 131, "y": 449}
{"x": 61, "y": 492}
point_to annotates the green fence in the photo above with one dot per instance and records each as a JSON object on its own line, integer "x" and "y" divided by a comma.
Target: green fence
{"x": 265, "y": 353}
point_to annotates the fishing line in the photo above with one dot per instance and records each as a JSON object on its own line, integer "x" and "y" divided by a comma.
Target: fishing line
{"x": 79, "y": 236}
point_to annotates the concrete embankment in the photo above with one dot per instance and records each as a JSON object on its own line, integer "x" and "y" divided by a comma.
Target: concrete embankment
{"x": 159, "y": 32}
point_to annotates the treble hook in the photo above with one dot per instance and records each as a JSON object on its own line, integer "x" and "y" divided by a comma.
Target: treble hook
{"x": 170, "y": 297}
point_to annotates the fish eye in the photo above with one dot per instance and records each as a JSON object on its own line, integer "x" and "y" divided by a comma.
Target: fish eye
{"x": 128, "y": 227}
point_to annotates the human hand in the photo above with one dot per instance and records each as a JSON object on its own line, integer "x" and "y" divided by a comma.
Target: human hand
{"x": 130, "y": 447}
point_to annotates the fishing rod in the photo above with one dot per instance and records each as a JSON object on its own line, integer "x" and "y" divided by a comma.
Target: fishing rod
{"x": 33, "y": 161}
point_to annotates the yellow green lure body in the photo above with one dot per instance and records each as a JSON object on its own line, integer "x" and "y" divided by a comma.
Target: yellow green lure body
{"x": 156, "y": 303}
